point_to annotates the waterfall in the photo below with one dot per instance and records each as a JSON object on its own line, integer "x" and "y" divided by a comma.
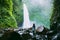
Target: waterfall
{"x": 26, "y": 23}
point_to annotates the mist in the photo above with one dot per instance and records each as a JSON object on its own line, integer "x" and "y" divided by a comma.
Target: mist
{"x": 40, "y": 11}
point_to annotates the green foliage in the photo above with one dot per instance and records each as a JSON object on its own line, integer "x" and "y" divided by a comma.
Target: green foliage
{"x": 6, "y": 17}
{"x": 55, "y": 19}
{"x": 18, "y": 11}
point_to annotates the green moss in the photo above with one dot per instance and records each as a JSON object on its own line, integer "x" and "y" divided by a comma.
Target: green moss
{"x": 55, "y": 19}
{"x": 6, "y": 17}
{"x": 18, "y": 11}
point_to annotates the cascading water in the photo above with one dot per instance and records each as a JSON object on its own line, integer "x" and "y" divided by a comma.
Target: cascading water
{"x": 27, "y": 23}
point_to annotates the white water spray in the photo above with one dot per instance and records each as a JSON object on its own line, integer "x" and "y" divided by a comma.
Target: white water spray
{"x": 26, "y": 23}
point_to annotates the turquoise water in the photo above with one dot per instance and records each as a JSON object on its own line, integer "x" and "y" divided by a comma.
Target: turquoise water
{"x": 40, "y": 11}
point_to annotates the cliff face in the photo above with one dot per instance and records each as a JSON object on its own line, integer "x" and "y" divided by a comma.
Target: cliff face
{"x": 6, "y": 17}
{"x": 18, "y": 11}
{"x": 11, "y": 13}
{"x": 55, "y": 19}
